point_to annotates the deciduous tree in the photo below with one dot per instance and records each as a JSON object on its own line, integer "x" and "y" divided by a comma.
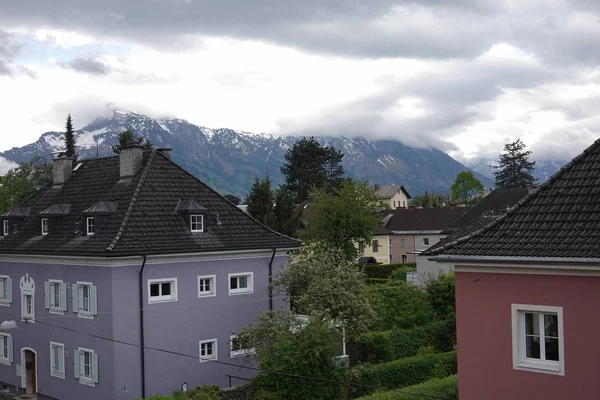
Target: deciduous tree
{"x": 467, "y": 188}
{"x": 21, "y": 182}
{"x": 514, "y": 168}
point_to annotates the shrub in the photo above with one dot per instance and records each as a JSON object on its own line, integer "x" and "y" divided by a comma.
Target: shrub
{"x": 401, "y": 373}
{"x": 208, "y": 392}
{"x": 441, "y": 294}
{"x": 446, "y": 388}
{"x": 384, "y": 271}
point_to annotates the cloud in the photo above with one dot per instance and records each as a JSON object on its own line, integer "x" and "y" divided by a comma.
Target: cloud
{"x": 87, "y": 65}
{"x": 9, "y": 49}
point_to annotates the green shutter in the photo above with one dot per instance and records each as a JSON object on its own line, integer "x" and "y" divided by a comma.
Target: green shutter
{"x": 94, "y": 300}
{"x": 63, "y": 296}
{"x": 8, "y": 290}
{"x": 61, "y": 360}
{"x": 95, "y": 368}
{"x": 76, "y": 368}
{"x": 10, "y": 348}
{"x": 47, "y": 294}
{"x": 75, "y": 297}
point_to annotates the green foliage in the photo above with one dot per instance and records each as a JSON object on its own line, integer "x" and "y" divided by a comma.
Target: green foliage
{"x": 234, "y": 199}
{"x": 384, "y": 271}
{"x": 441, "y": 294}
{"x": 430, "y": 200}
{"x": 70, "y": 140}
{"x": 402, "y": 373}
{"x": 128, "y": 138}
{"x": 323, "y": 280}
{"x": 286, "y": 219}
{"x": 208, "y": 392}
{"x": 443, "y": 388}
{"x": 308, "y": 166}
{"x": 260, "y": 201}
{"x": 287, "y": 345}
{"x": 339, "y": 220}
{"x": 467, "y": 188}
{"x": 20, "y": 183}
{"x": 514, "y": 168}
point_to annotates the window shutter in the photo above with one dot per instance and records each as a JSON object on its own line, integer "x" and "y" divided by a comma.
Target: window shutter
{"x": 95, "y": 367}
{"x": 47, "y": 294}
{"x": 94, "y": 300}
{"x": 63, "y": 296}
{"x": 61, "y": 359}
{"x": 8, "y": 290}
{"x": 10, "y": 348}
{"x": 75, "y": 297}
{"x": 76, "y": 361}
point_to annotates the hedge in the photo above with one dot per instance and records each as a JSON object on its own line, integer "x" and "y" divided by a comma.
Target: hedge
{"x": 401, "y": 373}
{"x": 445, "y": 388}
{"x": 383, "y": 271}
{"x": 391, "y": 345}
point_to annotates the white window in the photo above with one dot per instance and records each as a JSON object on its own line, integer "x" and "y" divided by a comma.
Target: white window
{"x": 375, "y": 246}
{"x": 6, "y": 348}
{"x": 197, "y": 223}
{"x": 85, "y": 299}
{"x": 55, "y": 292}
{"x": 5, "y": 228}
{"x": 85, "y": 366}
{"x": 162, "y": 290}
{"x": 90, "y": 226}
{"x": 5, "y": 290}
{"x": 206, "y": 286}
{"x": 403, "y": 242}
{"x": 538, "y": 340}
{"x": 44, "y": 226}
{"x": 241, "y": 283}
{"x": 236, "y": 347}
{"x": 57, "y": 359}
{"x": 425, "y": 241}
{"x": 27, "y": 307}
{"x": 208, "y": 350}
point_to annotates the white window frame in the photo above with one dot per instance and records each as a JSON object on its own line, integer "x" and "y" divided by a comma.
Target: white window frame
{"x": 4, "y": 359}
{"x": 88, "y": 225}
{"x": 425, "y": 241}
{"x": 82, "y": 312}
{"x": 3, "y": 300}
{"x": 213, "y": 288}
{"x": 54, "y": 372}
{"x": 213, "y": 356}
{"x": 520, "y": 361}
{"x": 83, "y": 379}
{"x": 201, "y": 222}
{"x": 59, "y": 308}
{"x": 247, "y": 290}
{"x": 238, "y": 353}
{"x": 5, "y": 227}
{"x": 44, "y": 226}
{"x": 160, "y": 298}
{"x": 30, "y": 317}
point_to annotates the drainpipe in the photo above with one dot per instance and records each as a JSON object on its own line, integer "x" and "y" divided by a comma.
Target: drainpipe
{"x": 271, "y": 279}
{"x": 142, "y": 341}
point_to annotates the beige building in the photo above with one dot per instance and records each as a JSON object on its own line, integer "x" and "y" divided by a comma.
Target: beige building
{"x": 392, "y": 196}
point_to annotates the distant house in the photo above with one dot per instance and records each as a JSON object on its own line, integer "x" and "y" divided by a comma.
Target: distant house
{"x": 380, "y": 246}
{"x": 392, "y": 196}
{"x": 527, "y": 293}
{"x": 126, "y": 276}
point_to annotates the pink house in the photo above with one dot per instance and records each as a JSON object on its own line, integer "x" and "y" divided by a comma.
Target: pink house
{"x": 528, "y": 290}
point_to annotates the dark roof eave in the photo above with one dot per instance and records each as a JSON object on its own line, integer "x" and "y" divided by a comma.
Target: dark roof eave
{"x": 514, "y": 260}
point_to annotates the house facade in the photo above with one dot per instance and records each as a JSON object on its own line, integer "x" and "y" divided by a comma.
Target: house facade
{"x": 392, "y": 196}
{"x": 527, "y": 286}
{"x": 126, "y": 277}
{"x": 379, "y": 248}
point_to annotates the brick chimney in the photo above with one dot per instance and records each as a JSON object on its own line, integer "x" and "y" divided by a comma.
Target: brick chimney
{"x": 61, "y": 170}
{"x": 131, "y": 159}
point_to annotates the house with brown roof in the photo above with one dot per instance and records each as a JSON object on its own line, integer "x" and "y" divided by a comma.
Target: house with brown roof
{"x": 527, "y": 293}
{"x": 392, "y": 196}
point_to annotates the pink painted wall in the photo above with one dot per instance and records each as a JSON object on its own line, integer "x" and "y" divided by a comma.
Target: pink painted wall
{"x": 484, "y": 332}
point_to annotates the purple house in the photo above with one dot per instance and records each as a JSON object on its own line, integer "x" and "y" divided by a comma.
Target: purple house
{"x": 126, "y": 276}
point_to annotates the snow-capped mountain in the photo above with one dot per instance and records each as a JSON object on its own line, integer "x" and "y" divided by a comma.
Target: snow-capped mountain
{"x": 544, "y": 169}
{"x": 229, "y": 160}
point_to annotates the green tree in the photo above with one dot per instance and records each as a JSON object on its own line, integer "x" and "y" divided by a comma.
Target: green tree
{"x": 286, "y": 220}
{"x": 70, "y": 140}
{"x": 339, "y": 220}
{"x": 128, "y": 138}
{"x": 309, "y": 165}
{"x": 260, "y": 201}
{"x": 323, "y": 280}
{"x": 441, "y": 294}
{"x": 514, "y": 168}
{"x": 467, "y": 188}
{"x": 21, "y": 182}
{"x": 287, "y": 347}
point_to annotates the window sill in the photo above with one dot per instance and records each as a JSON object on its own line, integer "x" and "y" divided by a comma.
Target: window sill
{"x": 87, "y": 382}
{"x": 57, "y": 311}
{"x": 5, "y": 361}
{"x": 235, "y": 292}
{"x": 161, "y": 300}
{"x": 85, "y": 315}
{"x": 553, "y": 368}
{"x": 201, "y": 295}
{"x": 57, "y": 374}
{"x": 4, "y": 303}
{"x": 207, "y": 359}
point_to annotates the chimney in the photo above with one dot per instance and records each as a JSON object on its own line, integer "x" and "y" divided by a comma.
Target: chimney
{"x": 166, "y": 151}
{"x": 131, "y": 159}
{"x": 61, "y": 170}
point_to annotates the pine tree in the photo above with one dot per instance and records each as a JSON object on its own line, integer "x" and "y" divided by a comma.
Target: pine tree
{"x": 514, "y": 168}
{"x": 260, "y": 201}
{"x": 70, "y": 140}
{"x": 286, "y": 218}
{"x": 128, "y": 138}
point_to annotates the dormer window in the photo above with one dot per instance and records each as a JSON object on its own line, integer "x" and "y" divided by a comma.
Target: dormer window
{"x": 44, "y": 226}
{"x": 5, "y": 228}
{"x": 90, "y": 226}
{"x": 197, "y": 223}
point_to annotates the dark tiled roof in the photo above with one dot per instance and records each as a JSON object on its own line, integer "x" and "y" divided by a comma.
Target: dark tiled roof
{"x": 561, "y": 219}
{"x": 424, "y": 219}
{"x": 145, "y": 220}
{"x": 387, "y": 192}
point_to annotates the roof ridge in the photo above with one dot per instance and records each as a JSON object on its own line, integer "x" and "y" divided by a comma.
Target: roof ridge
{"x": 524, "y": 200}
{"x": 132, "y": 202}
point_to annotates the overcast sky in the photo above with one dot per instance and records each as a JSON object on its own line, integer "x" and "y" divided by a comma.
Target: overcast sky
{"x": 464, "y": 76}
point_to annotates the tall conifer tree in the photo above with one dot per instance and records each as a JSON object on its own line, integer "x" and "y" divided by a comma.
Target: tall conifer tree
{"x": 70, "y": 140}
{"x": 514, "y": 168}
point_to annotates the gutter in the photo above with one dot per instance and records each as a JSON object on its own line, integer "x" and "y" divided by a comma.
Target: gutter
{"x": 271, "y": 279}
{"x": 142, "y": 335}
{"x": 515, "y": 259}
